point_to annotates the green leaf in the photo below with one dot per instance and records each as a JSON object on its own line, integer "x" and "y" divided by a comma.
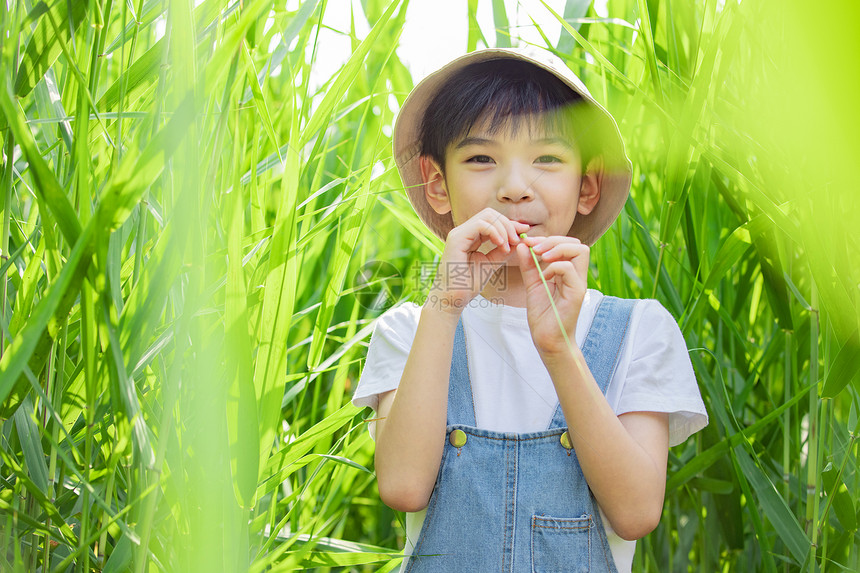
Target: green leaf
{"x": 242, "y": 422}
{"x": 775, "y": 508}
{"x": 27, "y": 291}
{"x": 574, "y": 11}
{"x": 500, "y": 21}
{"x": 278, "y": 466}
{"x": 348, "y": 233}
{"x": 125, "y": 393}
{"x": 346, "y": 461}
{"x": 40, "y": 498}
{"x": 345, "y": 77}
{"x": 588, "y": 47}
{"x": 281, "y": 278}
{"x": 16, "y": 356}
{"x": 843, "y": 505}
{"x": 31, "y": 445}
{"x": 704, "y": 459}
{"x": 47, "y": 188}
{"x": 333, "y": 559}
{"x": 259, "y": 98}
{"x": 475, "y": 32}
{"x": 843, "y": 368}
{"x": 137, "y": 172}
{"x": 138, "y": 79}
{"x": 120, "y": 558}
{"x": 49, "y": 99}
{"x": 718, "y": 486}
{"x": 43, "y": 47}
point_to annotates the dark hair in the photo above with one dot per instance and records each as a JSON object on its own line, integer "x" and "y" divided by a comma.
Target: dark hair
{"x": 502, "y": 91}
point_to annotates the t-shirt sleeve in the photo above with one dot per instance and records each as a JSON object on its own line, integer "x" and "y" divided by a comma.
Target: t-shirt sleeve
{"x": 660, "y": 377}
{"x": 387, "y": 353}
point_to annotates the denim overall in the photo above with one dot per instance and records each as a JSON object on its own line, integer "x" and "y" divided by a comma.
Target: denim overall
{"x": 511, "y": 502}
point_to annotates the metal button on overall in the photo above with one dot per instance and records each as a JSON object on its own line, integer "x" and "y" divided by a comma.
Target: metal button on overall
{"x": 565, "y": 441}
{"x": 457, "y": 438}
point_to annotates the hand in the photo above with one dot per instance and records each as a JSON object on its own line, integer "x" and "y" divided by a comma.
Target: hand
{"x": 464, "y": 270}
{"x": 566, "y": 274}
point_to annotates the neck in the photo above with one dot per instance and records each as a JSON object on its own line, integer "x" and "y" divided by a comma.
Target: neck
{"x": 506, "y": 287}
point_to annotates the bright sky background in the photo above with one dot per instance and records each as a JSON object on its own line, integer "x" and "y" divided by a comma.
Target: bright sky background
{"x": 435, "y": 31}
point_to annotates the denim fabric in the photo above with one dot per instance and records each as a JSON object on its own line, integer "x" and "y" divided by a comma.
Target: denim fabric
{"x": 517, "y": 502}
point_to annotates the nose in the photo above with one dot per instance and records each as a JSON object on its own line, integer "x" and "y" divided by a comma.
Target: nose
{"x": 515, "y": 184}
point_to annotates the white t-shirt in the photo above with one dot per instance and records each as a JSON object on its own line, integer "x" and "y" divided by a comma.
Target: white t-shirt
{"x": 512, "y": 389}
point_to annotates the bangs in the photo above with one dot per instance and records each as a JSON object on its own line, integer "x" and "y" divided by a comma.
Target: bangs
{"x": 558, "y": 122}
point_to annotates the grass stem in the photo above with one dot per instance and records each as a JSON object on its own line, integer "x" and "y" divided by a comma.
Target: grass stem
{"x": 555, "y": 311}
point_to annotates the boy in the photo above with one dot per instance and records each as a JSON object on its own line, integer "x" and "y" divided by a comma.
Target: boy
{"x": 498, "y": 429}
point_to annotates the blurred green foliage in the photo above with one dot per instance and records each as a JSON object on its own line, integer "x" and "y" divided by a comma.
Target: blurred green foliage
{"x": 191, "y": 215}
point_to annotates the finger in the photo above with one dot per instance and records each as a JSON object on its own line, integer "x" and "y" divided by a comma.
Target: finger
{"x": 563, "y": 271}
{"x": 481, "y": 229}
{"x": 505, "y": 226}
{"x": 562, "y": 251}
{"x": 533, "y": 241}
{"x": 511, "y": 228}
{"x": 520, "y": 227}
{"x": 547, "y": 243}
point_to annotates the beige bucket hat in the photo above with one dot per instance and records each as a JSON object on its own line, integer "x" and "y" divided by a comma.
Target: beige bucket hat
{"x": 617, "y": 169}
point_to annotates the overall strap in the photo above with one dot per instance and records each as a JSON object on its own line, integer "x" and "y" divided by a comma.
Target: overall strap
{"x": 603, "y": 343}
{"x": 461, "y": 405}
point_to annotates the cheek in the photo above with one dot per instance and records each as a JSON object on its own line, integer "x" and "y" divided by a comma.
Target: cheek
{"x": 565, "y": 191}
{"x": 468, "y": 195}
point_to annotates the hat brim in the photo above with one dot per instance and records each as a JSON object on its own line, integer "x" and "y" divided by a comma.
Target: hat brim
{"x": 617, "y": 169}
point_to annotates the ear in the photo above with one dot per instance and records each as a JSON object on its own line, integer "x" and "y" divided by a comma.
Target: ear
{"x": 435, "y": 188}
{"x": 589, "y": 190}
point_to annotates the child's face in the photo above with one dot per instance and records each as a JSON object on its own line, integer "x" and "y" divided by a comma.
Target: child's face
{"x": 527, "y": 175}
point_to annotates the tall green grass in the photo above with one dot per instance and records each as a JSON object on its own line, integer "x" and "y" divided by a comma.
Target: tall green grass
{"x": 192, "y": 237}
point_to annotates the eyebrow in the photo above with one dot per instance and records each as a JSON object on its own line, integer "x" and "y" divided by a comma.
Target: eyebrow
{"x": 484, "y": 141}
{"x": 475, "y": 141}
{"x": 556, "y": 141}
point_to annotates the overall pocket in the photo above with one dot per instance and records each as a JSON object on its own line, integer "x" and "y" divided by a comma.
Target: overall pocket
{"x": 561, "y": 544}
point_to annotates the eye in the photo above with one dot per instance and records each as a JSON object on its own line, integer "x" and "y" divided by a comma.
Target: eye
{"x": 480, "y": 159}
{"x": 548, "y": 159}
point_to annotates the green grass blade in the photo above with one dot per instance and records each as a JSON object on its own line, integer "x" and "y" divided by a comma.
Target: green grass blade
{"x": 43, "y": 47}
{"x": 242, "y": 421}
{"x": 346, "y": 76}
{"x": 843, "y": 369}
{"x": 137, "y": 80}
{"x": 349, "y": 230}
{"x": 41, "y": 499}
{"x": 27, "y": 290}
{"x": 278, "y": 303}
{"x": 47, "y": 187}
{"x": 259, "y": 98}
{"x": 503, "y": 27}
{"x": 278, "y": 466}
{"x": 704, "y": 459}
{"x": 137, "y": 172}
{"x": 775, "y": 508}
{"x": 34, "y": 456}
{"x": 15, "y": 358}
